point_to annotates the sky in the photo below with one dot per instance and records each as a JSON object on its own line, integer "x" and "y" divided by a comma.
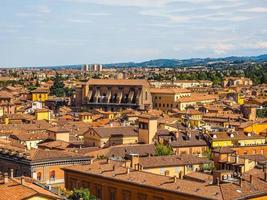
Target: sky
{"x": 60, "y": 32}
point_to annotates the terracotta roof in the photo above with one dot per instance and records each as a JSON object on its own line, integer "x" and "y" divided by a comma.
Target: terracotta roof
{"x": 16, "y": 191}
{"x": 223, "y": 150}
{"x": 29, "y": 136}
{"x": 235, "y": 136}
{"x": 174, "y": 160}
{"x": 191, "y": 139}
{"x": 131, "y": 82}
{"x": 199, "y": 189}
{"x": 4, "y": 94}
{"x": 197, "y": 97}
{"x": 106, "y": 132}
{"x": 46, "y": 155}
{"x": 169, "y": 90}
{"x": 57, "y": 144}
{"x": 123, "y": 150}
{"x": 40, "y": 90}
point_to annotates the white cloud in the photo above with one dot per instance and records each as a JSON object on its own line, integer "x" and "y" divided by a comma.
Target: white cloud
{"x": 79, "y": 21}
{"x": 255, "y": 9}
{"x": 256, "y": 45}
{"x": 222, "y": 48}
{"x": 97, "y": 14}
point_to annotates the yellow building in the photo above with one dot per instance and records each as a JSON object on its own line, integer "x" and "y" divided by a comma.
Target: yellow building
{"x": 259, "y": 126}
{"x": 191, "y": 118}
{"x": 40, "y": 94}
{"x": 148, "y": 126}
{"x": 86, "y": 117}
{"x": 43, "y": 114}
{"x": 110, "y": 136}
{"x": 195, "y": 99}
{"x": 173, "y": 165}
{"x": 240, "y": 99}
{"x": 230, "y": 139}
{"x": 109, "y": 180}
{"x": 167, "y": 98}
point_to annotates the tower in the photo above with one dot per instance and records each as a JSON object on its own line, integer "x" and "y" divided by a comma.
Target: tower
{"x": 148, "y": 126}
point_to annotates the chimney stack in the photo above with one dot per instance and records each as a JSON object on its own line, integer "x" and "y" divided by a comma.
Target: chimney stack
{"x": 128, "y": 170}
{"x": 11, "y": 173}
{"x": 108, "y": 161}
{"x": 240, "y": 182}
{"x": 113, "y": 168}
{"x": 218, "y": 181}
{"x": 174, "y": 179}
{"x": 251, "y": 179}
{"x": 22, "y": 180}
{"x": 5, "y": 178}
{"x": 237, "y": 159}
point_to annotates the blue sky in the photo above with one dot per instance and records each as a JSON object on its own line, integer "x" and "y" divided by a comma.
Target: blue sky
{"x": 56, "y": 32}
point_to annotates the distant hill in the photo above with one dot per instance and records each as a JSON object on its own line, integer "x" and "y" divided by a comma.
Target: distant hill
{"x": 191, "y": 61}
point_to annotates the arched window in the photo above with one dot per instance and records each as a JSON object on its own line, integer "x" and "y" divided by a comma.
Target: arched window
{"x": 52, "y": 175}
{"x": 39, "y": 176}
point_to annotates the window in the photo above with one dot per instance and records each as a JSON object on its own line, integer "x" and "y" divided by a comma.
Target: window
{"x": 126, "y": 195}
{"x": 52, "y": 175}
{"x": 141, "y": 196}
{"x": 99, "y": 191}
{"x": 157, "y": 198}
{"x": 39, "y": 176}
{"x": 112, "y": 194}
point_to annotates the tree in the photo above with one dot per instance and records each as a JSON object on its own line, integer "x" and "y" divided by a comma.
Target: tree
{"x": 163, "y": 150}
{"x": 58, "y": 88}
{"x": 69, "y": 91}
{"x": 83, "y": 193}
{"x": 208, "y": 153}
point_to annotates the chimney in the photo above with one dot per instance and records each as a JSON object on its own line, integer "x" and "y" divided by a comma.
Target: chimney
{"x": 91, "y": 161}
{"x": 5, "y": 178}
{"x": 237, "y": 159}
{"x": 174, "y": 179}
{"x": 228, "y": 158}
{"x": 140, "y": 167}
{"x": 177, "y": 134}
{"x": 134, "y": 160}
{"x": 251, "y": 179}
{"x": 240, "y": 182}
{"x": 181, "y": 175}
{"x": 128, "y": 170}
{"x": 11, "y": 173}
{"x": 108, "y": 161}
{"x": 167, "y": 173}
{"x": 22, "y": 180}
{"x": 113, "y": 168}
{"x": 218, "y": 181}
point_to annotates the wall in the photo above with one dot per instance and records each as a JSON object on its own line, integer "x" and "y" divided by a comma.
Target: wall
{"x": 123, "y": 190}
